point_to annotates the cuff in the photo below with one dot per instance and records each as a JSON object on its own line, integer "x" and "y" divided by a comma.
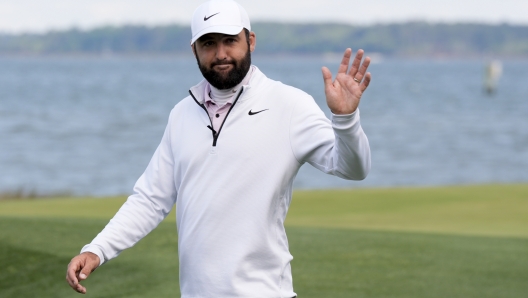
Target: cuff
{"x": 346, "y": 121}
{"x": 95, "y": 250}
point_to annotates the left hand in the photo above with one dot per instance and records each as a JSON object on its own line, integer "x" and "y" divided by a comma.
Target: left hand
{"x": 344, "y": 93}
{"x": 80, "y": 268}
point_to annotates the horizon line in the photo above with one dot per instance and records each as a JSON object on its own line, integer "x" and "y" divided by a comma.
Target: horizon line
{"x": 362, "y": 25}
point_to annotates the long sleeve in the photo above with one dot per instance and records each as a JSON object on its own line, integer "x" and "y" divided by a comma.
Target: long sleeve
{"x": 338, "y": 147}
{"x": 153, "y": 198}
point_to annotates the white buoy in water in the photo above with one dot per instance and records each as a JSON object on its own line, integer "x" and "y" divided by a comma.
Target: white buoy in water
{"x": 492, "y": 75}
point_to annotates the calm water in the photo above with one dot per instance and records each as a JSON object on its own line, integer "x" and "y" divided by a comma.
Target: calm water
{"x": 90, "y": 125}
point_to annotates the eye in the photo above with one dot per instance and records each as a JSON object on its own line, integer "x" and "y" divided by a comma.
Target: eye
{"x": 208, "y": 43}
{"x": 230, "y": 40}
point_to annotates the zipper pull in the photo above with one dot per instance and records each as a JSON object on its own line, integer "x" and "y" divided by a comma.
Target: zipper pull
{"x": 212, "y": 130}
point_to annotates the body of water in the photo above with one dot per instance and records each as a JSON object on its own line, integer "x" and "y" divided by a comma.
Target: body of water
{"x": 88, "y": 126}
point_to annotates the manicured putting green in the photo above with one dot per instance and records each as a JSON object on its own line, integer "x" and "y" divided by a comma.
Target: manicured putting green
{"x": 418, "y": 242}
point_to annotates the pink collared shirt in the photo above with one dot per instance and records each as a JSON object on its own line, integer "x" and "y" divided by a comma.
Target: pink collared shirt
{"x": 217, "y": 113}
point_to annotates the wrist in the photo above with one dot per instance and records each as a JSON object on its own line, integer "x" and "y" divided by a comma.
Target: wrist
{"x": 92, "y": 256}
{"x": 343, "y": 112}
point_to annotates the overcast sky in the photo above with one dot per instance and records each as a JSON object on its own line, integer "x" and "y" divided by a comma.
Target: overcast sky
{"x": 39, "y": 16}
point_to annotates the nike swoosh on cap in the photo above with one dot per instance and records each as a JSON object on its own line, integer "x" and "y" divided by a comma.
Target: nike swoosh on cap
{"x": 253, "y": 113}
{"x": 207, "y": 18}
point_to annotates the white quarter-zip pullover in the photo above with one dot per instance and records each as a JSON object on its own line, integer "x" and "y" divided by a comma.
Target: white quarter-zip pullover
{"x": 232, "y": 190}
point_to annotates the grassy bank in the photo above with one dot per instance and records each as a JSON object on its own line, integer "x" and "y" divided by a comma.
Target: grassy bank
{"x": 469, "y": 241}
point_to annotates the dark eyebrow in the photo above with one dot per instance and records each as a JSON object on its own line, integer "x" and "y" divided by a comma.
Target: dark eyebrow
{"x": 232, "y": 36}
{"x": 205, "y": 38}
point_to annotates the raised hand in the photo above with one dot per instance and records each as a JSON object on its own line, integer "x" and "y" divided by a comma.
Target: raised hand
{"x": 344, "y": 93}
{"x": 80, "y": 268}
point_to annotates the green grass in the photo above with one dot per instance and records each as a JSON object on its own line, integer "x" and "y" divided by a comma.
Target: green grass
{"x": 467, "y": 241}
{"x": 488, "y": 210}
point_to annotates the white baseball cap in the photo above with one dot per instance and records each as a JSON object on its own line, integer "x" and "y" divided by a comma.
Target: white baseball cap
{"x": 219, "y": 16}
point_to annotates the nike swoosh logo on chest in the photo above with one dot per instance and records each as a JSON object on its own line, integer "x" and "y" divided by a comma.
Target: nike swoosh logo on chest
{"x": 254, "y": 113}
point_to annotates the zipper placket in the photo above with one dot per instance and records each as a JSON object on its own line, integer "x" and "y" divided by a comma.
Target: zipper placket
{"x": 216, "y": 134}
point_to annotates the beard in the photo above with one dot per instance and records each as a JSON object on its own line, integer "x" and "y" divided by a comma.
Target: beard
{"x": 232, "y": 78}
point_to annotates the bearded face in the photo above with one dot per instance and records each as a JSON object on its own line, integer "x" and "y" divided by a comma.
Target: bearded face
{"x": 224, "y": 60}
{"x": 226, "y": 80}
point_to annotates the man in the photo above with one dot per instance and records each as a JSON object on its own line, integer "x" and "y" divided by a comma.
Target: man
{"x": 228, "y": 159}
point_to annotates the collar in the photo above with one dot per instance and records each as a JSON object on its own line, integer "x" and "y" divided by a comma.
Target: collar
{"x": 257, "y": 82}
{"x": 223, "y": 97}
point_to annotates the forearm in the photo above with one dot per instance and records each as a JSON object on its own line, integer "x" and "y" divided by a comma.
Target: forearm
{"x": 153, "y": 198}
{"x": 140, "y": 214}
{"x": 338, "y": 147}
{"x": 351, "y": 152}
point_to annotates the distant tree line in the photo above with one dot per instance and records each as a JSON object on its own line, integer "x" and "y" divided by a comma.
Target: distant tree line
{"x": 405, "y": 39}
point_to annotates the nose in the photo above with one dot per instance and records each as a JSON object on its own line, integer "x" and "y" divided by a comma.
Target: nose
{"x": 221, "y": 52}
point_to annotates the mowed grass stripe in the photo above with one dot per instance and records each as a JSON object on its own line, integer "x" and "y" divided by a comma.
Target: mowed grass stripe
{"x": 364, "y": 263}
{"x": 81, "y": 207}
{"x": 493, "y": 210}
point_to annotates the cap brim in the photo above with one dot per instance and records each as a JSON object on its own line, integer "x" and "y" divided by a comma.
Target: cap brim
{"x": 230, "y": 30}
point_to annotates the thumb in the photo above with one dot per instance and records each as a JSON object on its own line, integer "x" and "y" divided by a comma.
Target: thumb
{"x": 327, "y": 76}
{"x": 85, "y": 272}
{"x": 88, "y": 268}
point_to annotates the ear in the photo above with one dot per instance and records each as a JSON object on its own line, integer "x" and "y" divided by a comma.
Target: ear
{"x": 252, "y": 41}
{"x": 193, "y": 49}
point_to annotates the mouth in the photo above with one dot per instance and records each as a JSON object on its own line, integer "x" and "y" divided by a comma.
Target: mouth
{"x": 223, "y": 67}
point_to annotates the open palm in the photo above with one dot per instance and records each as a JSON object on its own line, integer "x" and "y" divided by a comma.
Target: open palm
{"x": 344, "y": 93}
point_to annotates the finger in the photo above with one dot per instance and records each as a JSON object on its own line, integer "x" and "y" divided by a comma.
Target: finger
{"x": 365, "y": 82}
{"x": 80, "y": 289}
{"x": 363, "y": 69}
{"x": 356, "y": 63}
{"x": 327, "y": 76}
{"x": 71, "y": 273}
{"x": 71, "y": 276}
{"x": 343, "y": 67}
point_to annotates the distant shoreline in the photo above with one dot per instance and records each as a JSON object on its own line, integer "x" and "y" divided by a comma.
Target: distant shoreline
{"x": 376, "y": 57}
{"x": 400, "y": 40}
